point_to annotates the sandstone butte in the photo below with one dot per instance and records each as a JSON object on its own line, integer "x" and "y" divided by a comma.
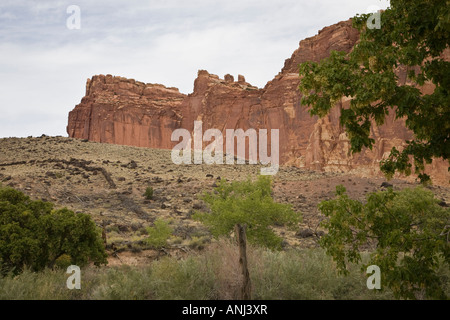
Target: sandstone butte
{"x": 128, "y": 112}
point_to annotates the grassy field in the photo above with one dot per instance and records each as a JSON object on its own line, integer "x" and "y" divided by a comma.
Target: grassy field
{"x": 212, "y": 274}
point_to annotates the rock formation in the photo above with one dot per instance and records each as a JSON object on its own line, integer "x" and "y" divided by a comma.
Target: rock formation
{"x": 124, "y": 111}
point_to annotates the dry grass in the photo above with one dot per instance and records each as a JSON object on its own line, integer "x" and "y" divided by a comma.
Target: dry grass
{"x": 211, "y": 274}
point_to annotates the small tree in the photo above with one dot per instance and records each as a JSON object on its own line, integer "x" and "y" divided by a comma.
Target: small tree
{"x": 409, "y": 230}
{"x": 72, "y": 234}
{"x": 159, "y": 234}
{"x": 34, "y": 235}
{"x": 247, "y": 203}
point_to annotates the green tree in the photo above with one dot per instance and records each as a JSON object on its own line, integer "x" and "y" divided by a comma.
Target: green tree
{"x": 159, "y": 234}
{"x": 248, "y": 203}
{"x": 34, "y": 235}
{"x": 73, "y": 234}
{"x": 413, "y": 34}
{"x": 408, "y": 230}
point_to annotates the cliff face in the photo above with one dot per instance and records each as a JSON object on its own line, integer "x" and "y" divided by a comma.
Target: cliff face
{"x": 124, "y": 111}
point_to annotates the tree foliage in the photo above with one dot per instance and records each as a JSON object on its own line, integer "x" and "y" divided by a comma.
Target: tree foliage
{"x": 34, "y": 235}
{"x": 159, "y": 234}
{"x": 248, "y": 203}
{"x": 413, "y": 34}
{"x": 409, "y": 230}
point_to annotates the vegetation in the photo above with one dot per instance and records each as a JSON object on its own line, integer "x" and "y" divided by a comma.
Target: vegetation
{"x": 413, "y": 34}
{"x": 409, "y": 230}
{"x": 159, "y": 234}
{"x": 247, "y": 203}
{"x": 34, "y": 235}
{"x": 288, "y": 274}
{"x": 292, "y": 274}
{"x": 148, "y": 193}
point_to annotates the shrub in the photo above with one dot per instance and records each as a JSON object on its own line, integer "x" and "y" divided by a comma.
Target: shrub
{"x": 185, "y": 279}
{"x": 123, "y": 283}
{"x": 34, "y": 235}
{"x": 148, "y": 193}
{"x": 63, "y": 261}
{"x": 198, "y": 242}
{"x": 159, "y": 234}
{"x": 212, "y": 274}
{"x": 249, "y": 203}
{"x": 408, "y": 229}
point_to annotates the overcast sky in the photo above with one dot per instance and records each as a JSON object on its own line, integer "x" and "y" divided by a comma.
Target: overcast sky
{"x": 44, "y": 64}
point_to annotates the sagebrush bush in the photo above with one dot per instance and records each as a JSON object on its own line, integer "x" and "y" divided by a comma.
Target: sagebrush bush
{"x": 212, "y": 274}
{"x": 187, "y": 279}
{"x": 123, "y": 283}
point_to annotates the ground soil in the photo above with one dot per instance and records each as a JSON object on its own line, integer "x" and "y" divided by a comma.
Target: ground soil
{"x": 108, "y": 182}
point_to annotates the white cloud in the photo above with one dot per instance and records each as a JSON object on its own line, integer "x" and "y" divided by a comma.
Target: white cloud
{"x": 44, "y": 66}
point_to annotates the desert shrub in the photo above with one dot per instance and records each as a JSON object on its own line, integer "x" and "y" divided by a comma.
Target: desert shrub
{"x": 212, "y": 274}
{"x": 148, "y": 193}
{"x": 113, "y": 228}
{"x": 176, "y": 240}
{"x": 408, "y": 230}
{"x": 187, "y": 279}
{"x": 249, "y": 203}
{"x": 198, "y": 242}
{"x": 63, "y": 261}
{"x": 34, "y": 235}
{"x": 159, "y": 234}
{"x": 123, "y": 283}
{"x": 306, "y": 274}
{"x": 28, "y": 285}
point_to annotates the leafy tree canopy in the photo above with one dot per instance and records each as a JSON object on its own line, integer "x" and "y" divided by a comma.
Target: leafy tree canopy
{"x": 33, "y": 234}
{"x": 159, "y": 233}
{"x": 413, "y": 34}
{"x": 410, "y": 233}
{"x": 249, "y": 203}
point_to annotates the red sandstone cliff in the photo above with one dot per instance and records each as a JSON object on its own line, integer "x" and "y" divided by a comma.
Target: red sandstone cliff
{"x": 124, "y": 111}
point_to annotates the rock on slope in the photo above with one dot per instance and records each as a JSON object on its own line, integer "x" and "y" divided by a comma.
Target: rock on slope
{"x": 124, "y": 111}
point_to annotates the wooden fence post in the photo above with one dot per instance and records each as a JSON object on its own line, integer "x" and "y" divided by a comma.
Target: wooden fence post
{"x": 104, "y": 233}
{"x": 246, "y": 290}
